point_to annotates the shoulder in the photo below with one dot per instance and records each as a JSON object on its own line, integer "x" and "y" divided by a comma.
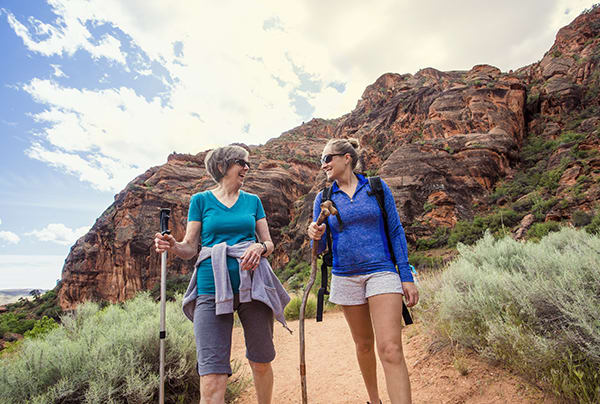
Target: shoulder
{"x": 249, "y": 195}
{"x": 200, "y": 196}
{"x": 374, "y": 180}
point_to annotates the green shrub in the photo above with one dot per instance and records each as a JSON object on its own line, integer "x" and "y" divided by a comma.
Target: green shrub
{"x": 498, "y": 223}
{"x": 532, "y": 306}
{"x": 539, "y": 230}
{"x": 581, "y": 218}
{"x": 438, "y": 239}
{"x": 594, "y": 226}
{"x": 15, "y": 323}
{"x": 422, "y": 261}
{"x": 106, "y": 356}
{"x": 295, "y": 274}
{"x": 41, "y": 327}
{"x": 176, "y": 284}
{"x": 292, "y": 310}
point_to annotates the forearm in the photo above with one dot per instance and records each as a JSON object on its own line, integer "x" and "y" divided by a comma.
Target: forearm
{"x": 184, "y": 249}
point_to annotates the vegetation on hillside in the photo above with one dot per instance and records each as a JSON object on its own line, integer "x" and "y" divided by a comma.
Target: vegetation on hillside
{"x": 23, "y": 315}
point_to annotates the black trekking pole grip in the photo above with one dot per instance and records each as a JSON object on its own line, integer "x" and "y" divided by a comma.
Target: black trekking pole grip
{"x": 164, "y": 221}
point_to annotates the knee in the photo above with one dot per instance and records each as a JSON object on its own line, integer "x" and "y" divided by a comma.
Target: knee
{"x": 212, "y": 388}
{"x": 260, "y": 368}
{"x": 364, "y": 347}
{"x": 390, "y": 352}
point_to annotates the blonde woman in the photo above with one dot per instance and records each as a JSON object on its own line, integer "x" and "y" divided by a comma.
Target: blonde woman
{"x": 365, "y": 281}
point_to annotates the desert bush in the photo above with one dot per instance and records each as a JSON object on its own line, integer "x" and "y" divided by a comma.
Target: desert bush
{"x": 539, "y": 230}
{"x": 581, "y": 218}
{"x": 533, "y": 306}
{"x": 105, "y": 355}
{"x": 499, "y": 222}
{"x": 175, "y": 284}
{"x": 15, "y": 323}
{"x": 292, "y": 310}
{"x": 594, "y": 226}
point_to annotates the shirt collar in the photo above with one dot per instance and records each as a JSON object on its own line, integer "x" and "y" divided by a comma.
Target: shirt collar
{"x": 362, "y": 180}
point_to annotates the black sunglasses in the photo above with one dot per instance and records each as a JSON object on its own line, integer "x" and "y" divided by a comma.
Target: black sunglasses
{"x": 242, "y": 163}
{"x": 328, "y": 157}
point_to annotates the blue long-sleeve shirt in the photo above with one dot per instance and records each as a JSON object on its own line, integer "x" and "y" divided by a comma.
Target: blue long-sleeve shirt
{"x": 362, "y": 247}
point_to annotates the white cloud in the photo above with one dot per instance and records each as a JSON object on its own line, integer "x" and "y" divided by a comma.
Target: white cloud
{"x": 58, "y": 72}
{"x": 59, "y": 233}
{"x": 226, "y": 66}
{"x": 9, "y": 237}
{"x": 30, "y": 271}
{"x": 67, "y": 34}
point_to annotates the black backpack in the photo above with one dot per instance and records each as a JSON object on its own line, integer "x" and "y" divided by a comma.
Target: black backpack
{"x": 377, "y": 190}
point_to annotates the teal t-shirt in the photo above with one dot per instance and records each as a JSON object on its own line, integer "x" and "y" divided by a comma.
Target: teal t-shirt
{"x": 220, "y": 223}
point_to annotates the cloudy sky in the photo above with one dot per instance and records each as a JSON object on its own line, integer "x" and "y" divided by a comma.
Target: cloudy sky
{"x": 94, "y": 92}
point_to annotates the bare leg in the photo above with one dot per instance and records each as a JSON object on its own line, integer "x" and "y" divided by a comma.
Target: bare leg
{"x": 263, "y": 381}
{"x": 359, "y": 321}
{"x": 212, "y": 389}
{"x": 386, "y": 312}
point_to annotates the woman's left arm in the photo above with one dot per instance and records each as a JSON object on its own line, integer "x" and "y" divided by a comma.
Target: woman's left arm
{"x": 397, "y": 236}
{"x": 252, "y": 255}
{"x": 398, "y": 239}
{"x": 262, "y": 229}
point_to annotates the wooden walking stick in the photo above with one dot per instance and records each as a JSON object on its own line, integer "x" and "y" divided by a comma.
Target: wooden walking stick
{"x": 326, "y": 210}
{"x": 164, "y": 229}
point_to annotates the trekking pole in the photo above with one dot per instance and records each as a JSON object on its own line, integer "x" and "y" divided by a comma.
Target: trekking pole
{"x": 326, "y": 210}
{"x": 164, "y": 229}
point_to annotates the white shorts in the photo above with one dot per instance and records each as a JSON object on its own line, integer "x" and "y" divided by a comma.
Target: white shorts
{"x": 355, "y": 290}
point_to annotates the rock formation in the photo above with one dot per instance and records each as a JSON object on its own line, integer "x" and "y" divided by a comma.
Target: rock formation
{"x": 441, "y": 140}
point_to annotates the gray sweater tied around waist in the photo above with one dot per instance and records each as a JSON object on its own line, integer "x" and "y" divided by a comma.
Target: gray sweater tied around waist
{"x": 260, "y": 284}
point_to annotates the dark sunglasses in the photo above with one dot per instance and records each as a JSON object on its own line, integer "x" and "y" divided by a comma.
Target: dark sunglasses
{"x": 242, "y": 163}
{"x": 328, "y": 157}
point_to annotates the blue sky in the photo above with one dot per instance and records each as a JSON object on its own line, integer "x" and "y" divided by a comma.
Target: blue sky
{"x": 94, "y": 92}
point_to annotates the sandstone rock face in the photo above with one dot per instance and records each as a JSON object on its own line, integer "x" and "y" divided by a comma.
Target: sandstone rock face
{"x": 441, "y": 140}
{"x": 115, "y": 259}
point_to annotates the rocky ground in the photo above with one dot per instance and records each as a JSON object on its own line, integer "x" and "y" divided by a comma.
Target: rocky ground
{"x": 333, "y": 375}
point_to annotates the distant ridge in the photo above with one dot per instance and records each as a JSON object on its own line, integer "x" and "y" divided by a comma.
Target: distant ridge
{"x": 8, "y": 296}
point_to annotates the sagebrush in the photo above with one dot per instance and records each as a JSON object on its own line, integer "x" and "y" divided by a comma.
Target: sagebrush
{"x": 107, "y": 355}
{"x": 533, "y": 306}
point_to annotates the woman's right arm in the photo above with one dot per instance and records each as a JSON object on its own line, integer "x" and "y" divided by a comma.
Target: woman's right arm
{"x": 186, "y": 248}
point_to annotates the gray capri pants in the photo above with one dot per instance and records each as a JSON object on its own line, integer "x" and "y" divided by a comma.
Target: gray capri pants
{"x": 213, "y": 334}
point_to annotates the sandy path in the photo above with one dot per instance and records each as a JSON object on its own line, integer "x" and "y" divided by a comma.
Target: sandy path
{"x": 333, "y": 375}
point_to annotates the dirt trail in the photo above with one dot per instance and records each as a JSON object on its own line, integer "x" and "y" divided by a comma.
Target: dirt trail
{"x": 333, "y": 375}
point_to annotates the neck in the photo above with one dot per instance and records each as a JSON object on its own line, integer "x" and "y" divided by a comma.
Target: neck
{"x": 347, "y": 179}
{"x": 228, "y": 189}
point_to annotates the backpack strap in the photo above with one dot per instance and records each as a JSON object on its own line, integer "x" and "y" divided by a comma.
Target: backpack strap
{"x": 377, "y": 190}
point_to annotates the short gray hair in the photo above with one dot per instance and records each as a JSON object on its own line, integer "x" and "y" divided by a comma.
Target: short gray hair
{"x": 218, "y": 160}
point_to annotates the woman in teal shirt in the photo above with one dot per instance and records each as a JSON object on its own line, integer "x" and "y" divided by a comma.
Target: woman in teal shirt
{"x": 227, "y": 214}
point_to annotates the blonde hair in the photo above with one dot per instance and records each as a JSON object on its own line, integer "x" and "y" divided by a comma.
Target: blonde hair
{"x": 349, "y": 146}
